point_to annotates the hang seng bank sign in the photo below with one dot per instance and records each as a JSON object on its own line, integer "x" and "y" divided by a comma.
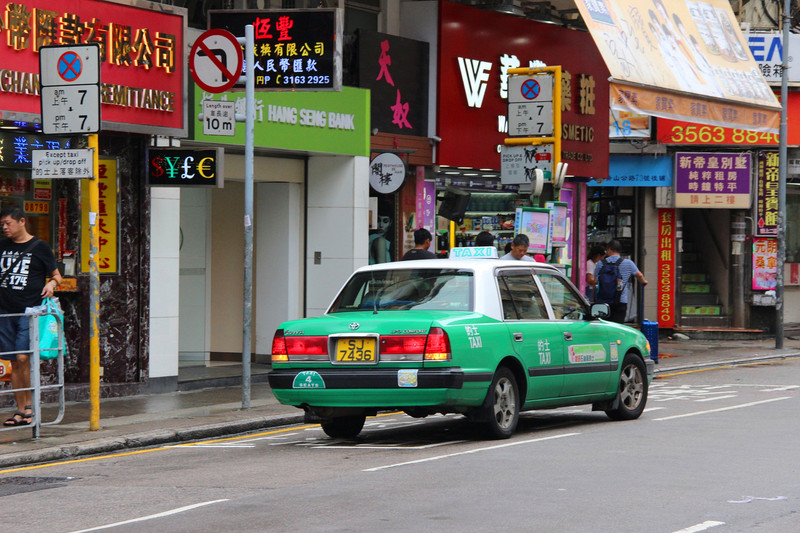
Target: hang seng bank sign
{"x": 142, "y": 69}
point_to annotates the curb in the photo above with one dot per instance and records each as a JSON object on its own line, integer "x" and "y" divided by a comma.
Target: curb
{"x": 727, "y": 362}
{"x": 146, "y": 439}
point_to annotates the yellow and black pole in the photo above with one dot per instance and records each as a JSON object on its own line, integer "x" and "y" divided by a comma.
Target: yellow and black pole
{"x": 555, "y": 138}
{"x": 94, "y": 288}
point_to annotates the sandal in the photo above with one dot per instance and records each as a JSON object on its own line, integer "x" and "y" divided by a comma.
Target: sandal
{"x": 24, "y": 419}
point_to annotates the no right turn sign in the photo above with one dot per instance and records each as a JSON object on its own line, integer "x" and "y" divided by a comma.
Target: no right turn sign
{"x": 215, "y": 61}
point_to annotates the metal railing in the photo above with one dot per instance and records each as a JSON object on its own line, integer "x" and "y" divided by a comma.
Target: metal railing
{"x": 36, "y": 386}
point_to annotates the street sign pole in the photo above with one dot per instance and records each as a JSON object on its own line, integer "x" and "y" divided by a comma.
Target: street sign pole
{"x": 249, "y": 142}
{"x": 94, "y": 289}
{"x": 783, "y": 165}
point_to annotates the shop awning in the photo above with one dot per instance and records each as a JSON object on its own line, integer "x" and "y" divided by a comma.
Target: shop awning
{"x": 681, "y": 60}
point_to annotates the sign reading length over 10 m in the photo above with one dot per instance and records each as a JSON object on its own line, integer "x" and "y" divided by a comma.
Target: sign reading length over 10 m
{"x": 70, "y": 97}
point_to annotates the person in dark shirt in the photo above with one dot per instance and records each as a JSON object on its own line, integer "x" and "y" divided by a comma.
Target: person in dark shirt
{"x": 25, "y": 265}
{"x": 422, "y": 241}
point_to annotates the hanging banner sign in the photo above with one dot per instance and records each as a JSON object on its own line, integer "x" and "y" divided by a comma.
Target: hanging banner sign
{"x": 765, "y": 264}
{"x": 107, "y": 220}
{"x": 666, "y": 268}
{"x": 767, "y": 194}
{"x": 180, "y": 167}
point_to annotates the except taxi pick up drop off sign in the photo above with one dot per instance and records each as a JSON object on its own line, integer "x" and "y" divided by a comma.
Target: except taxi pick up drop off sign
{"x": 70, "y": 78}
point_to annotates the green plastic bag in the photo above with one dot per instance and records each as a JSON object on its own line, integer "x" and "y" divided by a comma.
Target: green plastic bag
{"x": 48, "y": 327}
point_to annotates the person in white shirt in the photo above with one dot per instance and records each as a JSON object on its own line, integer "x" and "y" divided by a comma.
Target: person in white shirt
{"x": 519, "y": 249}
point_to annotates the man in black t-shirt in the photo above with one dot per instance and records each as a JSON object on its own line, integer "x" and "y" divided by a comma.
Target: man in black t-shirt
{"x": 25, "y": 264}
{"x": 422, "y": 241}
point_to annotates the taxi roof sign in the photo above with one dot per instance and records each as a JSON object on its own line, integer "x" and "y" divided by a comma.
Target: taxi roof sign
{"x": 474, "y": 252}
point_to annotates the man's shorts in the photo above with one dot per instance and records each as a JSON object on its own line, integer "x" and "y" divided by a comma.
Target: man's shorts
{"x": 15, "y": 336}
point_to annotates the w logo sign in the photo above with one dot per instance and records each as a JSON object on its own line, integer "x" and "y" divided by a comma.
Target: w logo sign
{"x": 474, "y": 74}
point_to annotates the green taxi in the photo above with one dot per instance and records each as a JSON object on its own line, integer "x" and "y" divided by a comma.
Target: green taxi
{"x": 482, "y": 337}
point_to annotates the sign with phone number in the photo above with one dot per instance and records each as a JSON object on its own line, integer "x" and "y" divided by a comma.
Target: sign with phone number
{"x": 677, "y": 132}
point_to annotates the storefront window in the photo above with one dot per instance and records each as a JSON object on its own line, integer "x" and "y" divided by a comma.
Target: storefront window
{"x": 793, "y": 223}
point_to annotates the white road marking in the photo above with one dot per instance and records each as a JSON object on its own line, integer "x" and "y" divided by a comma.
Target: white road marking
{"x": 717, "y": 398}
{"x": 779, "y": 389}
{"x": 386, "y": 446}
{"x": 723, "y": 408}
{"x": 152, "y": 516}
{"x": 708, "y": 524}
{"x": 489, "y": 448}
{"x": 748, "y": 499}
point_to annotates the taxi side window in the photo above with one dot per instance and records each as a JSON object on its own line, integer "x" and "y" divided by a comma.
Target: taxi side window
{"x": 520, "y": 296}
{"x": 566, "y": 304}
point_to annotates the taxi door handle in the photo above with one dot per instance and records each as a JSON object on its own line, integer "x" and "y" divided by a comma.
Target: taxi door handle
{"x": 567, "y": 336}
{"x": 518, "y": 337}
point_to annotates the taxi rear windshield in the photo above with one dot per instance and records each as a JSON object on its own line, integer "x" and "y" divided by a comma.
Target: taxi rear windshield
{"x": 443, "y": 289}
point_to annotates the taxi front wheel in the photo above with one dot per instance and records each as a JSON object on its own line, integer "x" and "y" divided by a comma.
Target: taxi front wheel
{"x": 632, "y": 392}
{"x": 502, "y": 405}
{"x": 343, "y": 427}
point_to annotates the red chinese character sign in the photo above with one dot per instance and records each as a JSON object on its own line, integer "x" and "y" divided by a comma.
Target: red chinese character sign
{"x": 476, "y": 48}
{"x": 140, "y": 51}
{"x": 666, "y": 268}
{"x": 295, "y": 49}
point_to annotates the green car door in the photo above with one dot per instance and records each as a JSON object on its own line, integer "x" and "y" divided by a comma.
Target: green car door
{"x": 536, "y": 339}
{"x": 590, "y": 362}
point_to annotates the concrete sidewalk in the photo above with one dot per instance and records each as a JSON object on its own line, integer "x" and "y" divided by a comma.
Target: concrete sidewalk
{"x": 152, "y": 420}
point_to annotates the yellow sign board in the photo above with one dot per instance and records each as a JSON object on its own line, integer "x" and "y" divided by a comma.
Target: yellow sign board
{"x": 107, "y": 220}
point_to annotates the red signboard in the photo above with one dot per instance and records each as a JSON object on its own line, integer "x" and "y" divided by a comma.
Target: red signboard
{"x": 679, "y": 132}
{"x": 142, "y": 70}
{"x": 666, "y": 268}
{"x": 476, "y": 48}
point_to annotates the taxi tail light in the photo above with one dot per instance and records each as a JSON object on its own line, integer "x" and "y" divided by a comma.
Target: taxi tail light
{"x": 437, "y": 347}
{"x": 403, "y": 344}
{"x": 284, "y": 347}
{"x": 279, "y": 352}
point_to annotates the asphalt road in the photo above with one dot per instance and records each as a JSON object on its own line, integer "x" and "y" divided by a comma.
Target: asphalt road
{"x": 715, "y": 450}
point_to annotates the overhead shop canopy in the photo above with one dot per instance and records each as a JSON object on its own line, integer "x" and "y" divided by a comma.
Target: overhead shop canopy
{"x": 681, "y": 59}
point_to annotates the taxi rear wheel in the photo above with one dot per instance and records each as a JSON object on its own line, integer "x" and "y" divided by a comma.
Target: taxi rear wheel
{"x": 632, "y": 391}
{"x": 502, "y": 405}
{"x": 343, "y": 427}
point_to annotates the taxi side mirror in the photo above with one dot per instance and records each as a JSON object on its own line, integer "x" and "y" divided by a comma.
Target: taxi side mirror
{"x": 600, "y": 311}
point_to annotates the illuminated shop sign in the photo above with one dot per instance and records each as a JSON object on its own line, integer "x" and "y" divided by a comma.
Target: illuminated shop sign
{"x": 141, "y": 56}
{"x": 179, "y": 167}
{"x": 295, "y": 49}
{"x": 16, "y": 148}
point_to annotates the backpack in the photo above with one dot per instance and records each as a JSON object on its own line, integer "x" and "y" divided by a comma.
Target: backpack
{"x": 609, "y": 282}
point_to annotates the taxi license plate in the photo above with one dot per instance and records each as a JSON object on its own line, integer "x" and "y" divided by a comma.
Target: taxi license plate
{"x": 355, "y": 350}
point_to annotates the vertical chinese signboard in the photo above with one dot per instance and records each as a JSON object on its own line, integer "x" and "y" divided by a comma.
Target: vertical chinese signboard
{"x": 712, "y": 180}
{"x": 666, "y": 268}
{"x": 106, "y": 220}
{"x": 767, "y": 194}
{"x": 765, "y": 264}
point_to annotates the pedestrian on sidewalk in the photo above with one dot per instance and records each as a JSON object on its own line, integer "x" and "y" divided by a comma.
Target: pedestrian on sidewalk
{"x": 519, "y": 249}
{"x": 25, "y": 264}
{"x": 422, "y": 241}
{"x": 596, "y": 254}
{"x": 611, "y": 275}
